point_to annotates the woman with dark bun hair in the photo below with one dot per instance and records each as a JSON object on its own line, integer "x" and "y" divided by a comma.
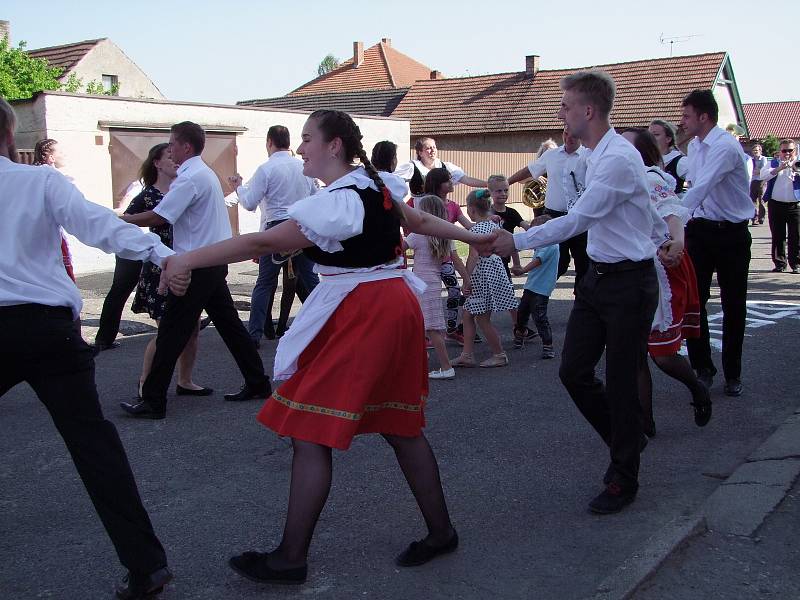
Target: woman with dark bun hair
{"x": 354, "y": 360}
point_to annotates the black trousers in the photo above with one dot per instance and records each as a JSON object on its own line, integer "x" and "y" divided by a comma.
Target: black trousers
{"x": 43, "y": 346}
{"x": 723, "y": 247}
{"x": 784, "y": 223}
{"x": 126, "y": 276}
{"x": 613, "y": 312}
{"x": 574, "y": 247}
{"x": 208, "y": 290}
{"x": 536, "y": 305}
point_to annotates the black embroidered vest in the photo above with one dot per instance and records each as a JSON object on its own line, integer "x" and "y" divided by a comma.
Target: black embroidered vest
{"x": 417, "y": 183}
{"x": 378, "y": 243}
{"x": 672, "y": 168}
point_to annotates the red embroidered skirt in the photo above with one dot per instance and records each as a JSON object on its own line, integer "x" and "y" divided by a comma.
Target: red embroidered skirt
{"x": 685, "y": 305}
{"x": 365, "y": 372}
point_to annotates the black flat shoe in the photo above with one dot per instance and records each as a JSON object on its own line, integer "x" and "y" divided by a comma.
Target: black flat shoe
{"x": 418, "y": 553}
{"x": 182, "y": 391}
{"x": 733, "y": 387}
{"x": 142, "y": 410}
{"x": 702, "y": 408}
{"x": 248, "y": 393}
{"x": 253, "y": 566}
{"x": 135, "y": 586}
{"x": 612, "y": 499}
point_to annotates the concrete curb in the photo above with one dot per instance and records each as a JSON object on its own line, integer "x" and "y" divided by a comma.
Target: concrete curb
{"x": 738, "y": 506}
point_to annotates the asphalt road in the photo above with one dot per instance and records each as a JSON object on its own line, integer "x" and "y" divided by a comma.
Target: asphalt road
{"x": 518, "y": 463}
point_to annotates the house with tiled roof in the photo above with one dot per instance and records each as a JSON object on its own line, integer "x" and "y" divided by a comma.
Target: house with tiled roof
{"x": 372, "y": 82}
{"x": 781, "y": 119}
{"x": 103, "y": 62}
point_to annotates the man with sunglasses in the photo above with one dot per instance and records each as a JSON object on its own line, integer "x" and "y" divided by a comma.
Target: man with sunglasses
{"x": 782, "y": 195}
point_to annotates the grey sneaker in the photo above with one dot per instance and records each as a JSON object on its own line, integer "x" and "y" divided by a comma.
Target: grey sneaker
{"x": 548, "y": 352}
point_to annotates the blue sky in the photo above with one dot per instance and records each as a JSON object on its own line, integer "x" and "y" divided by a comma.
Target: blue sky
{"x": 209, "y": 51}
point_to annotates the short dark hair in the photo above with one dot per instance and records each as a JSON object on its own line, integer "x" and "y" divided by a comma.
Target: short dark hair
{"x": 645, "y": 143}
{"x": 383, "y": 153}
{"x": 190, "y": 133}
{"x": 703, "y": 102}
{"x": 279, "y": 136}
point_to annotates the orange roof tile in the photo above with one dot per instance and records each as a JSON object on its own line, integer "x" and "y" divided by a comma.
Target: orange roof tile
{"x": 646, "y": 89}
{"x": 383, "y": 68}
{"x": 781, "y": 119}
{"x": 65, "y": 56}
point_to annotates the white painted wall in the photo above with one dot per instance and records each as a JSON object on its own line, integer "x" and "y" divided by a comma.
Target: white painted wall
{"x": 106, "y": 58}
{"x": 72, "y": 119}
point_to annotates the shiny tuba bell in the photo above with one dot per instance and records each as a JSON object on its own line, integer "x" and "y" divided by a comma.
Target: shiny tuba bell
{"x": 533, "y": 193}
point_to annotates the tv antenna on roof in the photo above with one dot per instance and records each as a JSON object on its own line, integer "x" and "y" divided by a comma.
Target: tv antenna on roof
{"x": 671, "y": 40}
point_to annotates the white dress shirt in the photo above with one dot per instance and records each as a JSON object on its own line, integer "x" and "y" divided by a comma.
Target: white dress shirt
{"x": 406, "y": 170}
{"x": 37, "y": 202}
{"x": 783, "y": 188}
{"x": 615, "y": 208}
{"x": 195, "y": 206}
{"x": 558, "y": 165}
{"x": 718, "y": 170}
{"x": 275, "y": 186}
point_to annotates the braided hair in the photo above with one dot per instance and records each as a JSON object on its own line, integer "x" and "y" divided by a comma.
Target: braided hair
{"x": 42, "y": 151}
{"x": 335, "y": 123}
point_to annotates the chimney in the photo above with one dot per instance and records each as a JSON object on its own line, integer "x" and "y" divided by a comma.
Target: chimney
{"x": 387, "y": 41}
{"x": 358, "y": 53}
{"x": 531, "y": 65}
{"x": 5, "y": 31}
{"x": 436, "y": 75}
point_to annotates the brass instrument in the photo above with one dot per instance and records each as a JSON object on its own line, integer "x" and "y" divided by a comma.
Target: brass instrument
{"x": 533, "y": 193}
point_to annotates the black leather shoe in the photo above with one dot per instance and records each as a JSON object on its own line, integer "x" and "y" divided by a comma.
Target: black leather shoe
{"x": 248, "y": 393}
{"x": 205, "y": 322}
{"x": 702, "y": 408}
{"x": 253, "y": 566}
{"x": 142, "y": 410}
{"x": 612, "y": 499}
{"x": 418, "y": 553}
{"x": 733, "y": 387}
{"x": 135, "y": 586}
{"x": 778, "y": 270}
{"x": 203, "y": 391}
{"x": 100, "y": 346}
{"x": 706, "y": 377}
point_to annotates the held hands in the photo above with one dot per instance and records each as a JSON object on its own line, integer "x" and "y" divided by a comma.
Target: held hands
{"x": 670, "y": 253}
{"x": 235, "y": 180}
{"x": 517, "y": 271}
{"x": 175, "y": 276}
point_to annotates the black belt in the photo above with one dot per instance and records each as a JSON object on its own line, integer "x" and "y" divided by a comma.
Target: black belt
{"x": 269, "y": 224}
{"x": 21, "y": 310}
{"x": 553, "y": 213}
{"x": 623, "y": 265}
{"x": 710, "y": 224}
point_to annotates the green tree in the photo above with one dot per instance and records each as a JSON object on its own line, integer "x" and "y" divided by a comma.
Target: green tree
{"x": 770, "y": 145}
{"x": 21, "y": 76}
{"x": 328, "y": 64}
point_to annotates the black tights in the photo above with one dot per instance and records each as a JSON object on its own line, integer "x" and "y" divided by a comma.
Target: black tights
{"x": 311, "y": 482}
{"x": 677, "y": 367}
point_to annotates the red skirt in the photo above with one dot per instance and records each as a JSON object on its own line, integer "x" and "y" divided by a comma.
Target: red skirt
{"x": 685, "y": 305}
{"x": 365, "y": 372}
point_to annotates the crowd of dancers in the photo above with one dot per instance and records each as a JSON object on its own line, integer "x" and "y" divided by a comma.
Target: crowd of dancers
{"x": 644, "y": 259}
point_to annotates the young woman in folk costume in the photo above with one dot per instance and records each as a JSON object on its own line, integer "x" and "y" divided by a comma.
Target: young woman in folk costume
{"x": 415, "y": 171}
{"x": 355, "y": 355}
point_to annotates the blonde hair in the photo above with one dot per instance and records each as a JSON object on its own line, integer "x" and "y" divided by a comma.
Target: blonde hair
{"x": 496, "y": 178}
{"x": 596, "y": 87}
{"x": 433, "y": 205}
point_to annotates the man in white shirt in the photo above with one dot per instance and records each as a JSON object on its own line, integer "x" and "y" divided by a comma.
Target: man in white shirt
{"x": 782, "y": 195}
{"x": 717, "y": 237}
{"x": 566, "y": 178}
{"x": 617, "y": 297}
{"x": 195, "y": 206}
{"x": 41, "y": 343}
{"x": 276, "y": 185}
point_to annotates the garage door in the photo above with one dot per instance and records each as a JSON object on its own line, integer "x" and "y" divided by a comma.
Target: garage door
{"x": 129, "y": 148}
